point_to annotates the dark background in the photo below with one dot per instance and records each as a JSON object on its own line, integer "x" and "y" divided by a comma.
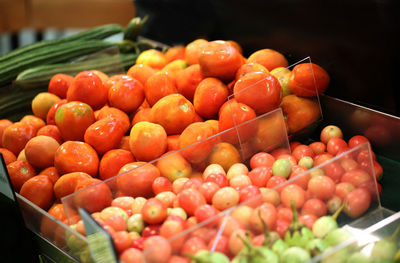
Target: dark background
{"x": 356, "y": 41}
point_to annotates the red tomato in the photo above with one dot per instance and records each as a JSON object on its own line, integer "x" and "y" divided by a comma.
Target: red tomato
{"x": 172, "y": 228}
{"x": 343, "y": 189}
{"x": 293, "y": 192}
{"x": 205, "y": 212}
{"x": 334, "y": 171}
{"x": 308, "y": 220}
{"x": 276, "y": 181}
{"x": 357, "y": 202}
{"x": 161, "y": 184}
{"x": 131, "y": 255}
{"x": 301, "y": 176}
{"x": 95, "y": 198}
{"x": 154, "y": 211}
{"x": 220, "y": 243}
{"x": 301, "y": 151}
{"x": 268, "y": 215}
{"x": 151, "y": 230}
{"x": 318, "y": 147}
{"x": 262, "y": 159}
{"x": 357, "y": 140}
{"x": 260, "y": 175}
{"x": 193, "y": 183}
{"x": 208, "y": 189}
{"x": 137, "y": 179}
{"x": 121, "y": 240}
{"x": 284, "y": 213}
{"x": 220, "y": 179}
{"x": 190, "y": 199}
{"x": 335, "y": 144}
{"x": 356, "y": 177}
{"x": 321, "y": 187}
{"x": 314, "y": 206}
{"x": 250, "y": 196}
{"x": 192, "y": 245}
{"x": 159, "y": 249}
{"x": 39, "y": 190}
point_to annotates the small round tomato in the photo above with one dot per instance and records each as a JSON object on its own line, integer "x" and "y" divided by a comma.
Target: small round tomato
{"x": 356, "y": 177}
{"x": 275, "y": 181}
{"x": 154, "y": 211}
{"x": 127, "y": 94}
{"x": 95, "y": 198}
{"x": 220, "y": 179}
{"x": 357, "y": 202}
{"x": 265, "y": 212}
{"x": 161, "y": 184}
{"x": 260, "y": 175}
{"x": 51, "y": 114}
{"x": 317, "y": 147}
{"x": 357, "y": 140}
{"x": 293, "y": 192}
{"x": 334, "y": 171}
{"x": 192, "y": 245}
{"x": 315, "y": 207}
{"x": 225, "y": 197}
{"x": 262, "y": 159}
{"x": 20, "y": 171}
{"x": 205, "y": 212}
{"x": 335, "y": 144}
{"x": 250, "y": 196}
{"x": 322, "y": 187}
{"x": 343, "y": 189}
{"x": 16, "y": 136}
{"x": 190, "y": 199}
{"x": 208, "y": 189}
{"x": 59, "y": 84}
{"x": 303, "y": 150}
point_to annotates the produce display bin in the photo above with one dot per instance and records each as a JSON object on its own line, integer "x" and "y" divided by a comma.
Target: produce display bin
{"x": 223, "y": 225}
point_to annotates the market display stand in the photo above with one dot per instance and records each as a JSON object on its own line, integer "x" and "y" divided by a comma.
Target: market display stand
{"x": 23, "y": 244}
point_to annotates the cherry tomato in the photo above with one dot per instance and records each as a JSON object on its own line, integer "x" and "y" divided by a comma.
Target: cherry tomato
{"x": 208, "y": 189}
{"x": 265, "y": 212}
{"x": 161, "y": 184}
{"x": 299, "y": 176}
{"x": 314, "y": 206}
{"x": 334, "y": 171}
{"x": 250, "y": 196}
{"x": 121, "y": 241}
{"x": 276, "y": 181}
{"x": 192, "y": 245}
{"x": 160, "y": 249}
{"x": 308, "y": 220}
{"x": 321, "y": 187}
{"x": 356, "y": 177}
{"x": 190, "y": 199}
{"x": 260, "y": 175}
{"x": 357, "y": 202}
{"x": 154, "y": 211}
{"x": 335, "y": 144}
{"x": 261, "y": 159}
{"x": 138, "y": 243}
{"x": 193, "y": 183}
{"x": 151, "y": 230}
{"x": 225, "y": 198}
{"x": 301, "y": 151}
{"x": 284, "y": 213}
{"x": 205, "y": 212}
{"x": 220, "y": 243}
{"x": 220, "y": 179}
{"x": 357, "y": 140}
{"x": 293, "y": 192}
{"x": 318, "y": 147}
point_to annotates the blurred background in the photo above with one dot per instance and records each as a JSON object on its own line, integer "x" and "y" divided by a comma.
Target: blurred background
{"x": 356, "y": 41}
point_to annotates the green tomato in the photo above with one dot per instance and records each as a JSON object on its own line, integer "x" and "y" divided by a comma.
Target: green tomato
{"x": 295, "y": 255}
{"x": 323, "y": 225}
{"x": 384, "y": 250}
{"x": 337, "y": 236}
{"x": 135, "y": 223}
{"x": 282, "y": 167}
{"x": 306, "y": 162}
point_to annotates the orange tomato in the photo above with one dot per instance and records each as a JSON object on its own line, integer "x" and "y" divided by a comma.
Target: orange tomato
{"x": 173, "y": 142}
{"x": 220, "y": 59}
{"x": 148, "y": 141}
{"x": 112, "y": 161}
{"x": 34, "y": 121}
{"x": 104, "y": 134}
{"x": 300, "y": 112}
{"x": 141, "y": 115}
{"x": 308, "y": 79}
{"x": 174, "y": 68}
{"x": 57, "y": 210}
{"x": 95, "y": 198}
{"x": 16, "y": 136}
{"x": 197, "y": 133}
{"x": 236, "y": 45}
{"x": 51, "y": 131}
{"x": 158, "y": 86}
{"x": 103, "y": 76}
{"x": 141, "y": 72}
{"x": 124, "y": 144}
{"x": 8, "y": 156}
{"x": 52, "y": 173}
{"x": 42, "y": 103}
{"x": 66, "y": 184}
{"x": 72, "y": 119}
{"x": 224, "y": 154}
{"x": 126, "y": 94}
{"x": 38, "y": 190}
{"x": 20, "y": 172}
{"x": 74, "y": 156}
{"x": 259, "y": 90}
{"x": 192, "y": 51}
{"x": 214, "y": 124}
{"x": 174, "y": 53}
{"x": 250, "y": 67}
{"x": 269, "y": 58}
{"x": 88, "y": 88}
{"x": 117, "y": 114}
{"x": 152, "y": 58}
{"x": 50, "y": 118}
{"x": 136, "y": 179}
{"x": 40, "y": 151}
{"x": 234, "y": 113}
{"x": 4, "y": 123}
{"x": 210, "y": 94}
{"x": 174, "y": 112}
{"x": 188, "y": 79}
{"x": 59, "y": 84}
{"x": 173, "y": 166}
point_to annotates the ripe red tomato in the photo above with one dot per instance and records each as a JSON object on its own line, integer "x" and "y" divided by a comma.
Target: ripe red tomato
{"x": 357, "y": 202}
{"x": 192, "y": 245}
{"x": 322, "y": 187}
{"x": 262, "y": 159}
{"x": 154, "y": 211}
{"x": 314, "y": 206}
{"x": 357, "y": 140}
{"x": 293, "y": 192}
{"x": 205, "y": 212}
{"x": 161, "y": 184}
{"x": 335, "y": 144}
{"x": 303, "y": 150}
{"x": 208, "y": 189}
{"x": 250, "y": 195}
{"x": 190, "y": 199}
{"x": 260, "y": 175}
{"x": 95, "y": 198}
{"x": 220, "y": 179}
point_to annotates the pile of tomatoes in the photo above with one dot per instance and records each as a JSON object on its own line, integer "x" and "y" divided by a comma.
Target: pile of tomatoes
{"x": 91, "y": 127}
